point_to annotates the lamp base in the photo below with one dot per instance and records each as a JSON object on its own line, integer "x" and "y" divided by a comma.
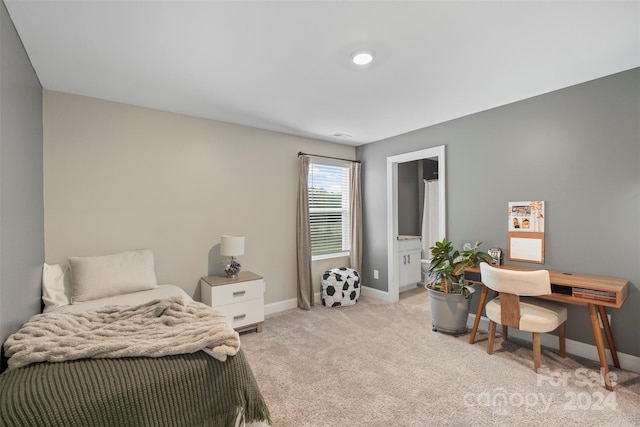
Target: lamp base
{"x": 233, "y": 268}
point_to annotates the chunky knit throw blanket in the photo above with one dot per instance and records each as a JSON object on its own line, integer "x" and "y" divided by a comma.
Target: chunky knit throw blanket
{"x": 183, "y": 390}
{"x": 158, "y": 328}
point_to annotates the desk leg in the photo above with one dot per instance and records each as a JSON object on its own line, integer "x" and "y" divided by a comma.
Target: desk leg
{"x": 609, "y": 334}
{"x": 604, "y": 366}
{"x": 483, "y": 298}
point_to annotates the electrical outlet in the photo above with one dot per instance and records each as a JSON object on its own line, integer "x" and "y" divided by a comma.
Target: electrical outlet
{"x": 600, "y": 320}
{"x": 376, "y": 275}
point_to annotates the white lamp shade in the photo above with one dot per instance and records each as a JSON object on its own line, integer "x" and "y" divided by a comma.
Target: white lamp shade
{"x": 232, "y": 245}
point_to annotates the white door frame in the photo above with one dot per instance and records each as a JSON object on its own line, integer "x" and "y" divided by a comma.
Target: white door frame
{"x": 393, "y": 283}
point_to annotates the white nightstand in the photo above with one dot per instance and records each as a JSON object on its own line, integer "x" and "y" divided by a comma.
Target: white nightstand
{"x": 241, "y": 299}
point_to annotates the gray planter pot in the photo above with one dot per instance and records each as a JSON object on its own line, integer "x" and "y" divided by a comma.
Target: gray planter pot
{"x": 449, "y": 312}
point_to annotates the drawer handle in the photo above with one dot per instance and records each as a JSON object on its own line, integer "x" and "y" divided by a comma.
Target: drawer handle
{"x": 239, "y": 293}
{"x": 239, "y": 317}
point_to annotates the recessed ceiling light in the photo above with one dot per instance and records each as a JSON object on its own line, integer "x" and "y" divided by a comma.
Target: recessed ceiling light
{"x": 342, "y": 135}
{"x": 362, "y": 57}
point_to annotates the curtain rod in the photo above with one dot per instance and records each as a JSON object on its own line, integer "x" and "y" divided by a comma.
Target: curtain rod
{"x": 300, "y": 153}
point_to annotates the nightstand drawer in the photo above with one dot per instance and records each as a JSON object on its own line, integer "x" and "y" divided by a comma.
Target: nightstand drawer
{"x": 239, "y": 298}
{"x": 237, "y": 292}
{"x": 244, "y": 313}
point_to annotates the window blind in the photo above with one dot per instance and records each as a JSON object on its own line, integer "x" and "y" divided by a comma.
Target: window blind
{"x": 329, "y": 208}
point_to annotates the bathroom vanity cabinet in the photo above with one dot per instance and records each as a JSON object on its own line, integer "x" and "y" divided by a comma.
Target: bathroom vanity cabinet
{"x": 409, "y": 251}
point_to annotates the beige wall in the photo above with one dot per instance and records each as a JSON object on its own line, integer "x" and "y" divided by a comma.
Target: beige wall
{"x": 119, "y": 177}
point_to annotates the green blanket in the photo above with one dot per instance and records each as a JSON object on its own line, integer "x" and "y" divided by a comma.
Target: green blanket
{"x": 181, "y": 390}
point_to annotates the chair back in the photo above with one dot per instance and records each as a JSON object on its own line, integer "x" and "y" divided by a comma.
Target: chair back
{"x": 522, "y": 283}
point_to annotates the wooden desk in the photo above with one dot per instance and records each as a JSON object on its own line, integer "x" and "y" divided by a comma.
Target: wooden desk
{"x": 595, "y": 292}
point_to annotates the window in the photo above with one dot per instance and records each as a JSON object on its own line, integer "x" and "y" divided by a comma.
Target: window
{"x": 329, "y": 209}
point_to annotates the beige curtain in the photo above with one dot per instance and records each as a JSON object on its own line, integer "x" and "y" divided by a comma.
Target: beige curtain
{"x": 355, "y": 256}
{"x": 303, "y": 237}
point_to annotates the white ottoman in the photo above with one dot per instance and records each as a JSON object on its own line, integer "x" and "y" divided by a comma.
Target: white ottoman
{"x": 340, "y": 287}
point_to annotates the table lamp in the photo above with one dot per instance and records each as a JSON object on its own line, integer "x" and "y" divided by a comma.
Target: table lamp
{"x": 232, "y": 246}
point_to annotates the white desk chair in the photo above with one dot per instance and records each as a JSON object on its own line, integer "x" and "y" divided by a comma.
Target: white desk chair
{"x": 527, "y": 314}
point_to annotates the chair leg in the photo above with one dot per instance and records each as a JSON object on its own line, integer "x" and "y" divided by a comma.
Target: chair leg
{"x": 492, "y": 336}
{"x": 505, "y": 332}
{"x": 562, "y": 337}
{"x": 536, "y": 351}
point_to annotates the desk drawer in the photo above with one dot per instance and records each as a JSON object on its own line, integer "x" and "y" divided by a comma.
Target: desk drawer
{"x": 244, "y": 313}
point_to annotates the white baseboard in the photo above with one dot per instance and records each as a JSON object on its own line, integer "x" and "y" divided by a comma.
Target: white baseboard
{"x": 277, "y": 307}
{"x": 588, "y": 351}
{"x": 410, "y": 287}
{"x": 376, "y": 293}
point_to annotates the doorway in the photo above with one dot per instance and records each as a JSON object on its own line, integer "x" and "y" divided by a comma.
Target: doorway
{"x": 434, "y": 153}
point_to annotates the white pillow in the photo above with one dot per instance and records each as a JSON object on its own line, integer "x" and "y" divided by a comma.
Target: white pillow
{"x": 104, "y": 276}
{"x": 56, "y": 285}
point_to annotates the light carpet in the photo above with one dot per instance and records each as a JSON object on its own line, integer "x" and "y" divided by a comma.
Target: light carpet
{"x": 380, "y": 364}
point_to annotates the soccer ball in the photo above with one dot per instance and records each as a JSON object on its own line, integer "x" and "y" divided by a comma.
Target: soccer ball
{"x": 333, "y": 297}
{"x": 340, "y": 286}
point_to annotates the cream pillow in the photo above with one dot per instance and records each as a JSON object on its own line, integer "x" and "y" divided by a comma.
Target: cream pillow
{"x": 108, "y": 275}
{"x": 56, "y": 285}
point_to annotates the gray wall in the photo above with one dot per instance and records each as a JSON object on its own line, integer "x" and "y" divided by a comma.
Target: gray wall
{"x": 21, "y": 197}
{"x": 578, "y": 149}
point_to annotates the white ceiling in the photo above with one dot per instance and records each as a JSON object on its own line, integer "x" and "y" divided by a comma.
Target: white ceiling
{"x": 285, "y": 65}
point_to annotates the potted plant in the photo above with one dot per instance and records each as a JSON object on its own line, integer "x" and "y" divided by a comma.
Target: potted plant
{"x": 449, "y": 295}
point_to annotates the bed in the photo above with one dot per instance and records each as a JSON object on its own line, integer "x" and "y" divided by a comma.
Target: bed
{"x": 114, "y": 348}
